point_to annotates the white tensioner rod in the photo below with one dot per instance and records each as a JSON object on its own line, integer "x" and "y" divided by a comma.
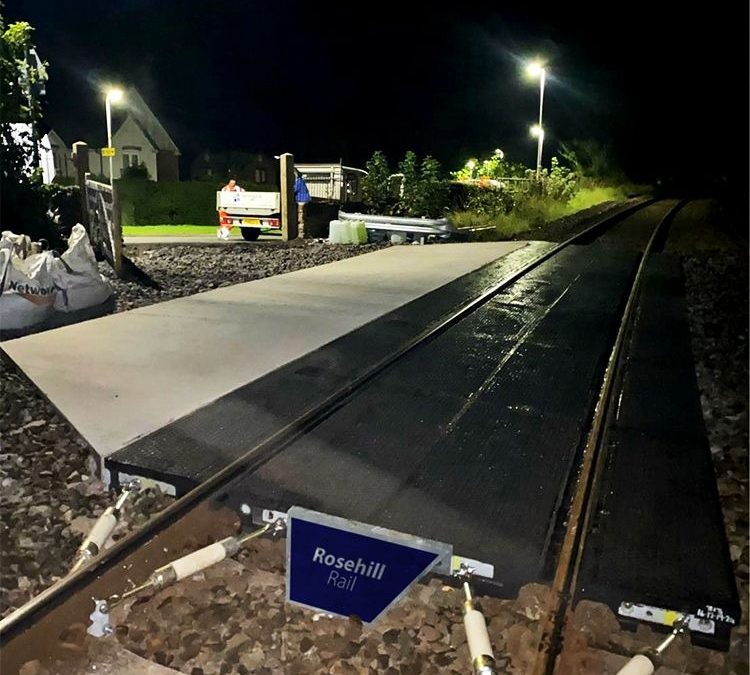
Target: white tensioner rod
{"x": 480, "y": 647}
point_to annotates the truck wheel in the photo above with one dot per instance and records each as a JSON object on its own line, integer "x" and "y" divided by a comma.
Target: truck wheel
{"x": 250, "y": 233}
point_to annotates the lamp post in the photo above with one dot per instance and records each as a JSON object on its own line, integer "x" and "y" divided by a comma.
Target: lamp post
{"x": 112, "y": 96}
{"x": 537, "y": 69}
{"x": 538, "y": 132}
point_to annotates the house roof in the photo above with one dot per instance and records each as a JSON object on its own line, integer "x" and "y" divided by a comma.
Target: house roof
{"x": 131, "y": 120}
{"x": 133, "y": 107}
{"x": 148, "y": 122}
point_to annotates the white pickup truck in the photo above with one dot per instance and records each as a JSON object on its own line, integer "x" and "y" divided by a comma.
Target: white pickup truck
{"x": 253, "y": 212}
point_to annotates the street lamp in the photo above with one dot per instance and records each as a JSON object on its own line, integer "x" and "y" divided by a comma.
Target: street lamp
{"x": 536, "y": 69}
{"x": 538, "y": 132}
{"x": 112, "y": 96}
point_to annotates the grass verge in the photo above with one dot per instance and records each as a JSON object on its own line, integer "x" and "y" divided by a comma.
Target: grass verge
{"x": 173, "y": 231}
{"x": 534, "y": 212}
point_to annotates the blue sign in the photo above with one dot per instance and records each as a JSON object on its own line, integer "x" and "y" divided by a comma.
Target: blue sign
{"x": 342, "y": 567}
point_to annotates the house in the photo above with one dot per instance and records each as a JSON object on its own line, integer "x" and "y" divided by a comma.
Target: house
{"x": 139, "y": 140}
{"x": 55, "y": 158}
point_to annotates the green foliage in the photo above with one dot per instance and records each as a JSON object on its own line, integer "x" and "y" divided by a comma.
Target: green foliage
{"x": 496, "y": 209}
{"x": 494, "y": 167}
{"x": 590, "y": 159}
{"x": 420, "y": 189}
{"x": 145, "y": 202}
{"x": 376, "y": 192}
{"x": 21, "y": 81}
{"x": 409, "y": 191}
{"x": 64, "y": 204}
{"x": 489, "y": 200}
{"x": 23, "y": 207}
{"x": 137, "y": 172}
{"x": 432, "y": 194}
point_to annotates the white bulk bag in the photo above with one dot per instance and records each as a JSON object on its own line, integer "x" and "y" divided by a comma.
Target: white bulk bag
{"x": 77, "y": 276}
{"x": 20, "y": 244}
{"x": 27, "y": 289}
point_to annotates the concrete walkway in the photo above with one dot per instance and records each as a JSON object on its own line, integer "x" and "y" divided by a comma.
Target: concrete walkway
{"x": 122, "y": 376}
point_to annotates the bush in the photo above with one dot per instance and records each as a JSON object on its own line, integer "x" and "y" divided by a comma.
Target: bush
{"x": 489, "y": 200}
{"x": 137, "y": 172}
{"x": 590, "y": 196}
{"x": 64, "y": 206}
{"x": 376, "y": 189}
{"x": 144, "y": 202}
{"x": 419, "y": 190}
{"x": 409, "y": 190}
{"x": 432, "y": 190}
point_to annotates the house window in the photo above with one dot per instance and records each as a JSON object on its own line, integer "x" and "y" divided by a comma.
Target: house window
{"x": 129, "y": 159}
{"x": 260, "y": 175}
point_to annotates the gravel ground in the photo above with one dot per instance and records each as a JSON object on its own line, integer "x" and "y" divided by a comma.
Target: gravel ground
{"x": 234, "y": 619}
{"x": 185, "y": 270}
{"x": 717, "y": 297}
{"x": 220, "y": 622}
{"x": 50, "y": 496}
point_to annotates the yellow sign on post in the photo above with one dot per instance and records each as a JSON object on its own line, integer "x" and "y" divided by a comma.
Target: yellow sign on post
{"x": 108, "y": 152}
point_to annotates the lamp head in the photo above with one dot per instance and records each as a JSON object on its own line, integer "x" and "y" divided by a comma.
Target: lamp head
{"x": 535, "y": 68}
{"x": 537, "y": 131}
{"x": 114, "y": 95}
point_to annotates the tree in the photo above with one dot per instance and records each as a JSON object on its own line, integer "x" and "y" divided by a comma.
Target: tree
{"x": 409, "y": 193}
{"x": 375, "y": 185}
{"x": 433, "y": 189}
{"x": 589, "y": 159}
{"x": 22, "y": 76}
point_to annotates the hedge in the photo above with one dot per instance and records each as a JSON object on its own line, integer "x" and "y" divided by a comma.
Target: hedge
{"x": 145, "y": 202}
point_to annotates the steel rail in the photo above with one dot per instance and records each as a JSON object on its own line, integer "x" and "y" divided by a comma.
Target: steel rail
{"x": 590, "y": 468}
{"x": 54, "y": 595}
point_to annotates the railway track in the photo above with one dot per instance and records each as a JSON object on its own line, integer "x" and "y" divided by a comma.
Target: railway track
{"x": 257, "y": 479}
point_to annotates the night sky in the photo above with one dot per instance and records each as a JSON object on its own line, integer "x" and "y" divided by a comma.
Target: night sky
{"x": 667, "y": 91}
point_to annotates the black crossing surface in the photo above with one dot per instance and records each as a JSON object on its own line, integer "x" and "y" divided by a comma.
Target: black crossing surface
{"x": 471, "y": 438}
{"x": 195, "y": 447}
{"x": 658, "y": 534}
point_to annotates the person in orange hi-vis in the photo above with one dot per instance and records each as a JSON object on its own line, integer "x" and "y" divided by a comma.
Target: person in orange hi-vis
{"x": 225, "y": 222}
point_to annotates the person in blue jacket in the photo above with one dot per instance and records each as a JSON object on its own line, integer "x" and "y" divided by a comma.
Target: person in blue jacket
{"x": 302, "y": 197}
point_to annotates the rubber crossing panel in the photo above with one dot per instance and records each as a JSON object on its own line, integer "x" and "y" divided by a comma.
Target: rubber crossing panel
{"x": 471, "y": 439}
{"x": 658, "y": 534}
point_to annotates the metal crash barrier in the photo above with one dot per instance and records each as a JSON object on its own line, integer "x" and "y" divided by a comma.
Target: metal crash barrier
{"x": 416, "y": 229}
